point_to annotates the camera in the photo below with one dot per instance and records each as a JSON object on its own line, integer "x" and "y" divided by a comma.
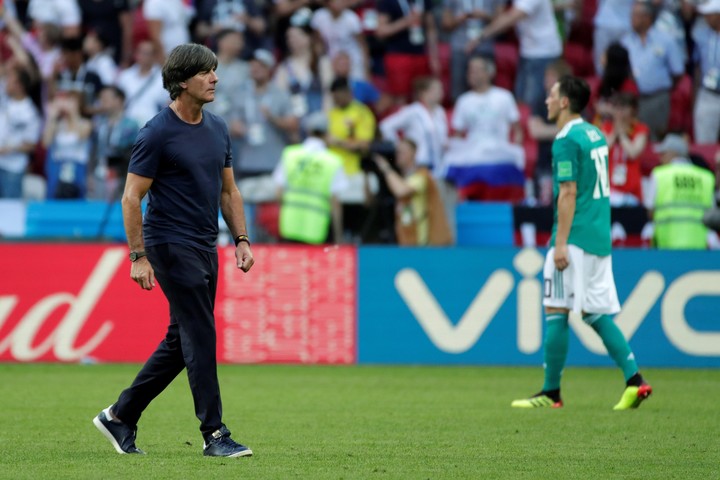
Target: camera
{"x": 383, "y": 148}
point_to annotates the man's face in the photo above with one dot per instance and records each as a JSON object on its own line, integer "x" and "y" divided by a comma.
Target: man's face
{"x": 477, "y": 74}
{"x": 341, "y": 65}
{"x": 201, "y": 87}
{"x": 109, "y": 101}
{"x": 72, "y": 59}
{"x": 554, "y": 103}
{"x": 232, "y": 44}
{"x": 342, "y": 98}
{"x": 145, "y": 55}
{"x": 640, "y": 18}
{"x": 259, "y": 72}
{"x": 404, "y": 155}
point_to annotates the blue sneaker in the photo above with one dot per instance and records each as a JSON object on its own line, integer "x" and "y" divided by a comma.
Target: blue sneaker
{"x": 121, "y": 436}
{"x": 219, "y": 444}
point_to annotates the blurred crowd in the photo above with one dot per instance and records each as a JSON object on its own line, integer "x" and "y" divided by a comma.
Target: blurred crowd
{"x": 459, "y": 85}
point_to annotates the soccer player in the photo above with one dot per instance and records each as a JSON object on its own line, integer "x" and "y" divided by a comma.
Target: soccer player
{"x": 183, "y": 158}
{"x": 578, "y": 267}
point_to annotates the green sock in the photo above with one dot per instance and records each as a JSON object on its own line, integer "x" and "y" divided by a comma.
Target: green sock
{"x": 557, "y": 337}
{"x": 615, "y": 342}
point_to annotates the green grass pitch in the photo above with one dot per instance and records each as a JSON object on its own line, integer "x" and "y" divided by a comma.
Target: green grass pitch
{"x": 367, "y": 422}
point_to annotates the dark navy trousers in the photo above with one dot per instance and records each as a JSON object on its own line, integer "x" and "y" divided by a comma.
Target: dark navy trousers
{"x": 188, "y": 278}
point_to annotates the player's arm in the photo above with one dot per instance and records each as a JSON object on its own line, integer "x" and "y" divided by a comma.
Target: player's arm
{"x": 233, "y": 211}
{"x": 566, "y": 212}
{"x": 136, "y": 187}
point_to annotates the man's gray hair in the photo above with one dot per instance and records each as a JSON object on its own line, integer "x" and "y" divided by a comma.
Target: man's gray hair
{"x": 186, "y": 61}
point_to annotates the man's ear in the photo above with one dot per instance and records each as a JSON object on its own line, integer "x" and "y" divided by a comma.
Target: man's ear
{"x": 183, "y": 84}
{"x": 564, "y": 102}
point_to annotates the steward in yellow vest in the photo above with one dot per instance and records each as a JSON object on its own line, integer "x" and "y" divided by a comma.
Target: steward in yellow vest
{"x": 683, "y": 193}
{"x": 309, "y": 177}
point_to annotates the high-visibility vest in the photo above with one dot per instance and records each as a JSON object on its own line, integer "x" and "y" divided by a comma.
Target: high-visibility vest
{"x": 684, "y": 193}
{"x": 306, "y": 207}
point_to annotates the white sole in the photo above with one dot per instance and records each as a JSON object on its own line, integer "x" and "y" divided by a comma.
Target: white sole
{"x": 99, "y": 425}
{"x": 245, "y": 453}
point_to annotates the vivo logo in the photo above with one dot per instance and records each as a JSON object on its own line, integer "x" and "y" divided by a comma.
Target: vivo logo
{"x": 458, "y": 338}
{"x": 21, "y": 341}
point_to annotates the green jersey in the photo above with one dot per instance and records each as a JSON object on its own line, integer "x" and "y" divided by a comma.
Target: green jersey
{"x": 580, "y": 154}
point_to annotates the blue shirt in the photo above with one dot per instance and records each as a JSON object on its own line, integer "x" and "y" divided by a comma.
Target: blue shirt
{"x": 654, "y": 63}
{"x": 614, "y": 14}
{"x": 186, "y": 164}
{"x": 707, "y": 48}
{"x": 364, "y": 92}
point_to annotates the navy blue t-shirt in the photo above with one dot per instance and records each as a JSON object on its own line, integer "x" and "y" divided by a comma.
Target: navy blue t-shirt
{"x": 396, "y": 9}
{"x": 186, "y": 164}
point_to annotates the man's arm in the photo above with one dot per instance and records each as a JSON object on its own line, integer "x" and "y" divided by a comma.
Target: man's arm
{"x": 504, "y": 21}
{"x": 566, "y": 212}
{"x": 387, "y": 28}
{"x": 233, "y": 211}
{"x": 136, "y": 187}
{"x": 432, "y": 43}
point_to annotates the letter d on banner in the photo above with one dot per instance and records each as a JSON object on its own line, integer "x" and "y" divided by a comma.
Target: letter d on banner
{"x": 22, "y": 338}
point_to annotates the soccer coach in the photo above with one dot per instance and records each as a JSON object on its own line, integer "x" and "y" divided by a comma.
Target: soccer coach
{"x": 182, "y": 159}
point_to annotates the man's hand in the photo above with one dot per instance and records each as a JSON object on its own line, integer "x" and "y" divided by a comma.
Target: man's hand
{"x": 561, "y": 257}
{"x": 142, "y": 273}
{"x": 244, "y": 256}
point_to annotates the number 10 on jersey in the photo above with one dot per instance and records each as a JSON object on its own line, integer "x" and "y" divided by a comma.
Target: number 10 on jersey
{"x": 600, "y": 157}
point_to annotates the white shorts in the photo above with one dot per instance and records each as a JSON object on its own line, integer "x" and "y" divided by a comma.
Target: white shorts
{"x": 586, "y": 285}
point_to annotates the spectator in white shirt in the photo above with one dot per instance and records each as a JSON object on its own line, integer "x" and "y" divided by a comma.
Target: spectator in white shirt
{"x": 19, "y": 132}
{"x": 65, "y": 14}
{"x": 486, "y": 114}
{"x": 168, "y": 24}
{"x": 487, "y": 120}
{"x": 143, "y": 86}
{"x": 424, "y": 122}
{"x": 99, "y": 59}
{"x": 341, "y": 30}
{"x": 540, "y": 45}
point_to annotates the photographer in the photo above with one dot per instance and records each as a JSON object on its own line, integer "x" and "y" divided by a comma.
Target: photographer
{"x": 419, "y": 213}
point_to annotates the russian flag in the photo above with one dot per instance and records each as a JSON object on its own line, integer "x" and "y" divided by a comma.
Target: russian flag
{"x": 469, "y": 161}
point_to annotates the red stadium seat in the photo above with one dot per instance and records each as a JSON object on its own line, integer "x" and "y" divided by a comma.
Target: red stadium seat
{"x": 506, "y": 62}
{"x": 580, "y": 59}
{"x": 681, "y": 102}
{"x": 707, "y": 151}
{"x": 581, "y": 31}
{"x": 444, "y": 54}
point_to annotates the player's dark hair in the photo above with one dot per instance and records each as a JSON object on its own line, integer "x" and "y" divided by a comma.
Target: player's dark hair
{"x": 577, "y": 92}
{"x": 186, "y": 61}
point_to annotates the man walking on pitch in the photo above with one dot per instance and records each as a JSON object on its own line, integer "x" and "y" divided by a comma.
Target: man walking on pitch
{"x": 578, "y": 267}
{"x": 182, "y": 158}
